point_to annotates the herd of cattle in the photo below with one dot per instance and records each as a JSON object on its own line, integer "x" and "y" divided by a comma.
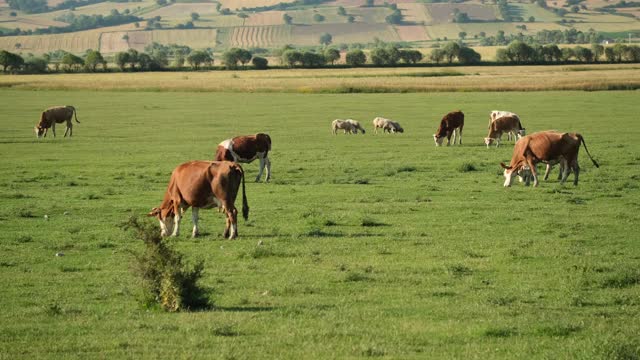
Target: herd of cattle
{"x": 208, "y": 184}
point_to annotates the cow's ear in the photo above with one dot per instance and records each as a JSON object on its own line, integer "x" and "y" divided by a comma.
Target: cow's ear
{"x": 505, "y": 166}
{"x": 154, "y": 212}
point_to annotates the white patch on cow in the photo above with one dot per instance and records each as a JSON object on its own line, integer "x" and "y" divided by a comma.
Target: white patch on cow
{"x": 227, "y": 144}
{"x": 176, "y": 225}
{"x": 508, "y": 177}
{"x": 234, "y": 231}
{"x": 438, "y": 140}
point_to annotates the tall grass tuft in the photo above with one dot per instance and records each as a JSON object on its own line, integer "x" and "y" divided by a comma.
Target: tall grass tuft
{"x": 166, "y": 279}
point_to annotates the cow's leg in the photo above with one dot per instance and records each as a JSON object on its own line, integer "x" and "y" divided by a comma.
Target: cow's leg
{"x": 233, "y": 220}
{"x": 176, "y": 220}
{"x": 194, "y": 218}
{"x": 547, "y": 171}
{"x": 227, "y": 225}
{"x": 268, "y": 165}
{"x": 69, "y": 129}
{"x": 46, "y": 130}
{"x": 460, "y": 136}
{"x": 534, "y": 172}
{"x": 576, "y": 170}
{"x": 53, "y": 128}
{"x": 453, "y": 134}
{"x": 565, "y": 170}
{"x": 260, "y": 167}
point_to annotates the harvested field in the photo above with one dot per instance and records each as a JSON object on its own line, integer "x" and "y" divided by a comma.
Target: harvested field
{"x": 442, "y": 12}
{"x": 112, "y": 42}
{"x": 343, "y": 33}
{"x": 29, "y": 24}
{"x": 305, "y": 17}
{"x": 442, "y": 31}
{"x": 73, "y": 42}
{"x": 412, "y": 32}
{"x": 466, "y": 78}
{"x": 183, "y": 10}
{"x": 237, "y": 4}
{"x": 369, "y": 15}
{"x": 346, "y": 3}
{"x": 633, "y": 11}
{"x": 415, "y": 13}
{"x": 259, "y": 36}
{"x": 265, "y": 18}
{"x": 527, "y": 10}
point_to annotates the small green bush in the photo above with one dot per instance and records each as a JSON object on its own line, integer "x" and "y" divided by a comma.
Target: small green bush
{"x": 166, "y": 279}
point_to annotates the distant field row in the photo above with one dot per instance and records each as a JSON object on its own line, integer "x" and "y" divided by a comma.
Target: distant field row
{"x": 489, "y": 78}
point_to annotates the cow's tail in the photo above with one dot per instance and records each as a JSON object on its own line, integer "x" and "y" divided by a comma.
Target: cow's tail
{"x": 587, "y": 150}
{"x": 245, "y": 204}
{"x": 75, "y": 113}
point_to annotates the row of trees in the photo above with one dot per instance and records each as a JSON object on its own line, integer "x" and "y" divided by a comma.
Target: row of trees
{"x": 522, "y": 53}
{"x": 157, "y": 57}
{"x": 568, "y": 36}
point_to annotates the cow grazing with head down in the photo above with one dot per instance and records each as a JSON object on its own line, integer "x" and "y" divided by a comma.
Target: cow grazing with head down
{"x": 202, "y": 185}
{"x": 56, "y": 115}
{"x": 504, "y": 124}
{"x": 547, "y": 147}
{"x": 450, "y": 123}
{"x": 355, "y": 126}
{"x": 245, "y": 149}
{"x": 496, "y": 114}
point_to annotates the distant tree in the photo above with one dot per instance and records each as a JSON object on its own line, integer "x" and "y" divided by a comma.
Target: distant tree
{"x": 36, "y": 65}
{"x": 575, "y": 9}
{"x": 225, "y": 11}
{"x": 520, "y": 52}
{"x": 178, "y": 60}
{"x": 291, "y": 57}
{"x": 388, "y": 55}
{"x": 318, "y": 18}
{"x": 482, "y": 34}
{"x": 195, "y": 16}
{"x": 243, "y": 16}
{"x": 93, "y": 59}
{"x": 199, "y": 57}
{"x": 583, "y": 54}
{"x": 342, "y": 11}
{"x": 369, "y": 3}
{"x": 331, "y": 55}
{"x": 542, "y": 3}
{"x": 609, "y": 54}
{"x": 451, "y": 51}
{"x": 325, "y": 39}
{"x": 13, "y": 14}
{"x": 462, "y": 35}
{"x": 218, "y": 7}
{"x": 29, "y": 6}
{"x": 437, "y": 55}
{"x": 351, "y": 19}
{"x": 10, "y": 60}
{"x": 133, "y": 58}
{"x": 287, "y": 19}
{"x": 72, "y": 62}
{"x": 532, "y": 19}
{"x": 567, "y": 54}
{"x": 260, "y": 63}
{"x": 356, "y": 58}
{"x": 161, "y": 2}
{"x": 461, "y": 18}
{"x": 597, "y": 50}
{"x": 467, "y": 55}
{"x": 410, "y": 56}
{"x": 312, "y": 59}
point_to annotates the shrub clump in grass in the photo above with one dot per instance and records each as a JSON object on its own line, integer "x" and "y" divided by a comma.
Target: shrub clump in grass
{"x": 500, "y": 332}
{"x": 467, "y": 167}
{"x": 24, "y": 213}
{"x": 459, "y": 270}
{"x": 166, "y": 279}
{"x": 368, "y": 222}
{"x": 622, "y": 280}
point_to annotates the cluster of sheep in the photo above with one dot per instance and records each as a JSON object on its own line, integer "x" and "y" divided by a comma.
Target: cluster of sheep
{"x": 350, "y": 126}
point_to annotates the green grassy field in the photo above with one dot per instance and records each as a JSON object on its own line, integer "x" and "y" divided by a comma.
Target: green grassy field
{"x": 378, "y": 246}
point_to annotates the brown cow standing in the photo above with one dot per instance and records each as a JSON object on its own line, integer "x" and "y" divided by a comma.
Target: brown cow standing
{"x": 53, "y": 115}
{"x": 504, "y": 124}
{"x": 245, "y": 149}
{"x": 450, "y": 123}
{"x": 202, "y": 184}
{"x": 548, "y": 147}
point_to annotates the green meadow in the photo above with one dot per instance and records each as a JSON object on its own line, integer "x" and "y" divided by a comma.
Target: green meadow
{"x": 362, "y": 246}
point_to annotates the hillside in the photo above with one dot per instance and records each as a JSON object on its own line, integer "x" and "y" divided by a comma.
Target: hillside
{"x": 263, "y": 23}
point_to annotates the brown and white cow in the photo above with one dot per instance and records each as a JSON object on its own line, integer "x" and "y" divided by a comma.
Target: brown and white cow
{"x": 504, "y": 124}
{"x": 547, "y": 147}
{"x": 56, "y": 115}
{"x": 202, "y": 185}
{"x": 245, "y": 149}
{"x": 495, "y": 114}
{"x": 450, "y": 123}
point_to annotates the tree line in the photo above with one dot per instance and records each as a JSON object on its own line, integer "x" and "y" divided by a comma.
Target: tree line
{"x": 158, "y": 57}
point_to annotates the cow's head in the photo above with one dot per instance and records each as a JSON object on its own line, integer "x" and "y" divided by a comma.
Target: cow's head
{"x": 438, "y": 140}
{"x": 488, "y": 141}
{"x": 399, "y": 129}
{"x": 509, "y": 174}
{"x": 521, "y": 133}
{"x": 363, "y": 132}
{"x": 166, "y": 219}
{"x": 38, "y": 130}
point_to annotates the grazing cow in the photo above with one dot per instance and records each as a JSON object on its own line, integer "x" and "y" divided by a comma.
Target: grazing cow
{"x": 386, "y": 125}
{"x": 202, "y": 185}
{"x": 245, "y": 149}
{"x": 56, "y": 115}
{"x": 501, "y": 125}
{"x": 495, "y": 114}
{"x": 355, "y": 126}
{"x": 339, "y": 124}
{"x": 547, "y": 147}
{"x": 450, "y": 123}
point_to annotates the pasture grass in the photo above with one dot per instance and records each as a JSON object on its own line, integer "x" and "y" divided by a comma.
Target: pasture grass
{"x": 361, "y": 246}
